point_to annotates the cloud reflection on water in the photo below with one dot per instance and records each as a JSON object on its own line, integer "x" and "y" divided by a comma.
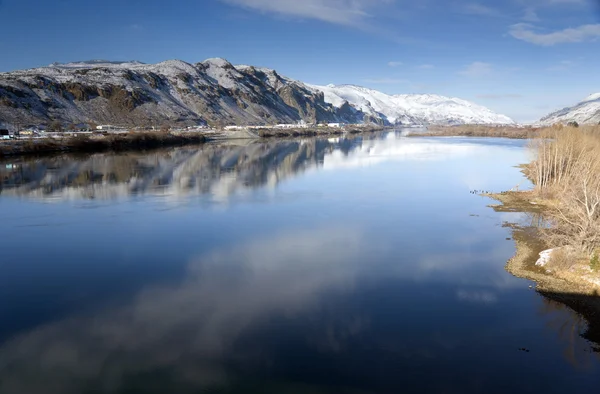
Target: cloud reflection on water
{"x": 196, "y": 322}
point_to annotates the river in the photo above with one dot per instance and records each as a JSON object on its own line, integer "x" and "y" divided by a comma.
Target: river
{"x": 343, "y": 265}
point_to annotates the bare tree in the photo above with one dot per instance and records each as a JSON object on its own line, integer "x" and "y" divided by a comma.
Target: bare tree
{"x": 567, "y": 171}
{"x": 578, "y": 210}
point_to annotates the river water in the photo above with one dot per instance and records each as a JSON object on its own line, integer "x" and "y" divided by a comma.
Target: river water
{"x": 346, "y": 265}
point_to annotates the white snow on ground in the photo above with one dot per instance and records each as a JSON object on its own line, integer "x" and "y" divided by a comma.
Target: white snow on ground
{"x": 592, "y": 97}
{"x": 408, "y": 109}
{"x": 585, "y": 112}
{"x": 545, "y": 257}
{"x": 411, "y": 108}
{"x": 222, "y": 72}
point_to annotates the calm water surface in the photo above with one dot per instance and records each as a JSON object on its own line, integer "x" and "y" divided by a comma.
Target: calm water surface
{"x": 359, "y": 265}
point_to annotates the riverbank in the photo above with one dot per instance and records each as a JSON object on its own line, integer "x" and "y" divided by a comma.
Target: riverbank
{"x": 99, "y": 143}
{"x": 577, "y": 278}
{"x": 153, "y": 139}
{"x": 478, "y": 131}
{"x": 568, "y": 287}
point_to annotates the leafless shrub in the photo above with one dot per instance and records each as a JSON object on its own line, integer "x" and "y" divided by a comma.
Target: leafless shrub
{"x": 567, "y": 171}
{"x": 563, "y": 259}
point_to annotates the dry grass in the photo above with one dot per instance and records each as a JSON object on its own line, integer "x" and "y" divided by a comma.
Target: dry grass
{"x": 480, "y": 131}
{"x": 563, "y": 259}
{"x": 566, "y": 172}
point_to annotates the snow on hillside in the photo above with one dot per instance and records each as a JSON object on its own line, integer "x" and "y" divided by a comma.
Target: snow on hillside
{"x": 411, "y": 108}
{"x": 371, "y": 102}
{"x": 439, "y": 109}
{"x": 222, "y": 72}
{"x": 215, "y": 91}
{"x": 585, "y": 112}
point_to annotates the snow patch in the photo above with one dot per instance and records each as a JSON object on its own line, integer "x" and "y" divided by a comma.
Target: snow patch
{"x": 545, "y": 257}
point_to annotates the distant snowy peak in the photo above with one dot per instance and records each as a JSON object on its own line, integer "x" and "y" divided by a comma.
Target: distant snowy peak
{"x": 592, "y": 97}
{"x": 585, "y": 112}
{"x": 411, "y": 108}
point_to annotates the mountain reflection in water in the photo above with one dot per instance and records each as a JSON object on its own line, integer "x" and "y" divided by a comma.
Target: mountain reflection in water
{"x": 220, "y": 170}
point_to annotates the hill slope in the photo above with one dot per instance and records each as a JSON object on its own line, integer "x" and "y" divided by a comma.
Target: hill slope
{"x": 214, "y": 92}
{"x": 411, "y": 108}
{"x": 585, "y": 112}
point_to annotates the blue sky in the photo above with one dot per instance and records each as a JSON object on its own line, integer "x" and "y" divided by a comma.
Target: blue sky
{"x": 522, "y": 58}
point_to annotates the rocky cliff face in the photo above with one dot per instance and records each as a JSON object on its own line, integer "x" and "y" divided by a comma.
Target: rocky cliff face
{"x": 174, "y": 92}
{"x": 213, "y": 92}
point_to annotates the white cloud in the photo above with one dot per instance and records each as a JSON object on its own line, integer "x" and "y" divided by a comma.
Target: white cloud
{"x": 477, "y": 69}
{"x": 526, "y": 32}
{"x": 395, "y": 64}
{"x": 344, "y": 12}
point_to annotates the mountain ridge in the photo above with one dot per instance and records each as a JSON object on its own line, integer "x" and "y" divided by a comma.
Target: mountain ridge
{"x": 213, "y": 92}
{"x": 586, "y": 111}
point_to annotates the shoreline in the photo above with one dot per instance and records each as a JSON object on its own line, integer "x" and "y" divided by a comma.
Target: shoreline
{"x": 582, "y": 297}
{"x": 152, "y": 140}
{"x": 529, "y": 244}
{"x": 95, "y": 144}
{"x": 478, "y": 131}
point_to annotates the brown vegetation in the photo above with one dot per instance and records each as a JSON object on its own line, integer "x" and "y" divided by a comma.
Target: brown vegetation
{"x": 97, "y": 143}
{"x": 566, "y": 173}
{"x": 479, "y": 131}
{"x": 564, "y": 208}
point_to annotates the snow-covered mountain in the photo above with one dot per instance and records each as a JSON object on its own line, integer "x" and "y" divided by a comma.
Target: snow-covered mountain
{"x": 214, "y": 92}
{"x": 585, "y": 112}
{"x": 411, "y": 108}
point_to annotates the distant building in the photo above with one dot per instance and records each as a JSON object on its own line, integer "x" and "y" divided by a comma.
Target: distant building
{"x": 4, "y": 134}
{"x": 108, "y": 127}
{"x": 335, "y": 125}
